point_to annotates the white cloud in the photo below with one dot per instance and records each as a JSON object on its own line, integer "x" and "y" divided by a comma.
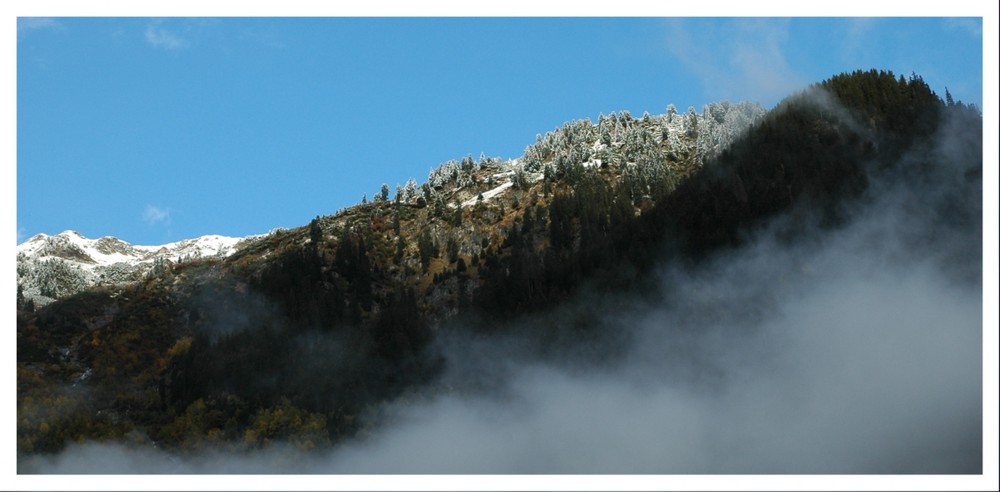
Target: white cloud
{"x": 762, "y": 64}
{"x": 159, "y": 37}
{"x": 154, "y": 215}
{"x": 740, "y": 59}
{"x": 972, "y": 25}
{"x": 694, "y": 55}
{"x": 30, "y": 24}
{"x": 855, "y": 42}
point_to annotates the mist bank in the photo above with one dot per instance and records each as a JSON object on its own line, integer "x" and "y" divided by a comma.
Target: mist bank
{"x": 841, "y": 333}
{"x": 851, "y": 358}
{"x": 849, "y": 351}
{"x": 832, "y": 365}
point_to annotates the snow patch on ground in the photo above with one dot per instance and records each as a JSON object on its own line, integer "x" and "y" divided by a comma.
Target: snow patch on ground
{"x": 488, "y": 194}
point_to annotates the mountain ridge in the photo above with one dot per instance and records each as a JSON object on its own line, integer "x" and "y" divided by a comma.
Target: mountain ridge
{"x": 54, "y": 266}
{"x": 297, "y": 336}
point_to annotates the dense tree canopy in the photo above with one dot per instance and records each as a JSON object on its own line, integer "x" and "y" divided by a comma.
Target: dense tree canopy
{"x": 293, "y": 339}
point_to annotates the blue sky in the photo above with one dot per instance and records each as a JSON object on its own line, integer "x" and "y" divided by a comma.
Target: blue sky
{"x": 156, "y": 130}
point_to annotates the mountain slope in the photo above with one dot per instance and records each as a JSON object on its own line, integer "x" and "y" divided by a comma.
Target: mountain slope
{"x": 301, "y": 335}
{"x": 50, "y": 267}
{"x": 371, "y": 283}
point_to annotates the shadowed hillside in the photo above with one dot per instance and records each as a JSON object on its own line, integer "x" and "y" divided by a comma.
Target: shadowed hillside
{"x": 301, "y": 337}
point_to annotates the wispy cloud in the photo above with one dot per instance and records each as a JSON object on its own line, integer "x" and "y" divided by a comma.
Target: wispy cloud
{"x": 855, "y": 38}
{"x": 265, "y": 38}
{"x": 154, "y": 215}
{"x": 763, "y": 63}
{"x": 29, "y": 24}
{"x": 742, "y": 59}
{"x": 159, "y": 37}
{"x": 971, "y": 25}
{"x": 36, "y": 23}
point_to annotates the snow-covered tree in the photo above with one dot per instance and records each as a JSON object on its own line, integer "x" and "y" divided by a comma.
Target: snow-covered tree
{"x": 410, "y": 190}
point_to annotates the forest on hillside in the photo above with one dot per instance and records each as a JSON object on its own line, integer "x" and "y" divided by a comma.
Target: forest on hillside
{"x": 312, "y": 339}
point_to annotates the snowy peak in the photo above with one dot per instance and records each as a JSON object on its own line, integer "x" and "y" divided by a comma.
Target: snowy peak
{"x": 50, "y": 267}
{"x": 69, "y": 245}
{"x": 649, "y": 155}
{"x": 200, "y": 247}
{"x": 111, "y": 245}
{"x": 108, "y": 250}
{"x": 648, "y": 147}
{"x": 73, "y": 246}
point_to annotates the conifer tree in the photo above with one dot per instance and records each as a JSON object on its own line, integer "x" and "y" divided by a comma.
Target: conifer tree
{"x": 452, "y": 249}
{"x": 425, "y": 247}
{"x": 400, "y": 249}
{"x": 315, "y": 235}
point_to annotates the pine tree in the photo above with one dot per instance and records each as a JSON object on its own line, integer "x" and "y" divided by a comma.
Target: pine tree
{"x": 400, "y": 249}
{"x": 425, "y": 247}
{"x": 315, "y": 235}
{"x": 438, "y": 206}
{"x": 410, "y": 191}
{"x": 452, "y": 249}
{"x": 426, "y": 188}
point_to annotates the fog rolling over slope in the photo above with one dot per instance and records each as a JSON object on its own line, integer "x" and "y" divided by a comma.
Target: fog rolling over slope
{"x": 846, "y": 353}
{"x": 853, "y": 347}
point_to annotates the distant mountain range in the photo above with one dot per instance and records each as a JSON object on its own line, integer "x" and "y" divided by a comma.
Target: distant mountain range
{"x": 299, "y": 336}
{"x": 50, "y": 267}
{"x": 53, "y": 267}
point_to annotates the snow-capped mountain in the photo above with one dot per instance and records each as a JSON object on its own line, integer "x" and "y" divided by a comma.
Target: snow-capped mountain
{"x": 646, "y": 151}
{"x": 50, "y": 267}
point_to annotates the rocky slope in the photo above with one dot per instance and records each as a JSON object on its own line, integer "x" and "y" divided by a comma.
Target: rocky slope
{"x": 52, "y": 267}
{"x": 300, "y": 336}
{"x": 653, "y": 151}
